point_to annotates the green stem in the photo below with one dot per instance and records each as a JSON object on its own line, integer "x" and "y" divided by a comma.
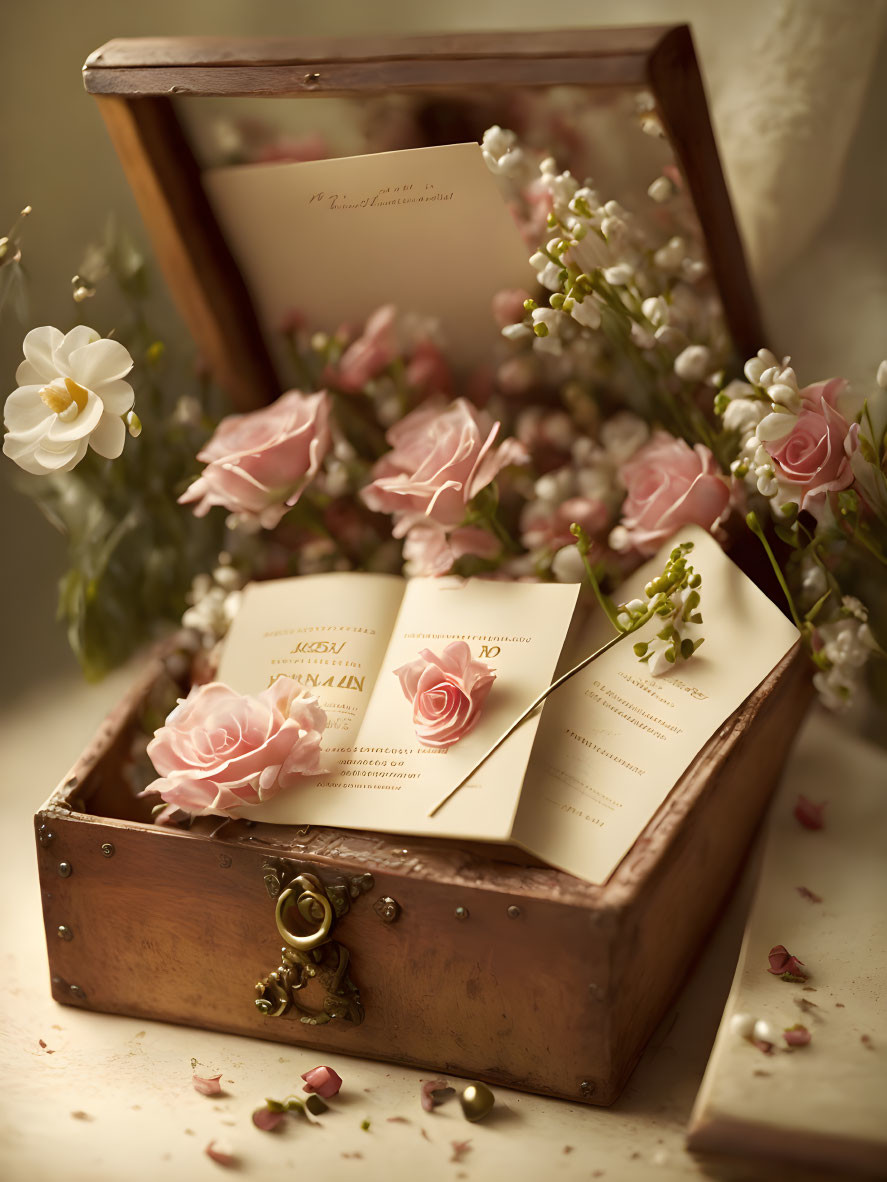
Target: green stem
{"x": 754, "y": 525}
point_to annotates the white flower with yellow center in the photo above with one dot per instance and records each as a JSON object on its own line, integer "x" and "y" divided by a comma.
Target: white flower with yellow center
{"x": 71, "y": 395}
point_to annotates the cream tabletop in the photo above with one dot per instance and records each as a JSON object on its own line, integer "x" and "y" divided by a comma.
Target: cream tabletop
{"x": 89, "y": 1096}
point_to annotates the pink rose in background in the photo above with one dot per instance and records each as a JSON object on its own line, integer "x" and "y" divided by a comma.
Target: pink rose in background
{"x": 258, "y": 464}
{"x": 447, "y": 693}
{"x": 427, "y": 371}
{"x": 219, "y": 750}
{"x": 669, "y": 484}
{"x": 440, "y": 459}
{"x": 372, "y": 352}
{"x": 815, "y": 454}
{"x": 429, "y": 550}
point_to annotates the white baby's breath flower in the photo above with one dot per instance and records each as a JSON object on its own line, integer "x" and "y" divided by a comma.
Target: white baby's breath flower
{"x": 71, "y": 395}
{"x": 622, "y": 435}
{"x": 586, "y": 312}
{"x": 693, "y": 364}
{"x": 670, "y": 256}
{"x": 743, "y": 415}
{"x": 567, "y": 565}
{"x": 882, "y": 375}
{"x": 619, "y": 275}
{"x": 660, "y": 190}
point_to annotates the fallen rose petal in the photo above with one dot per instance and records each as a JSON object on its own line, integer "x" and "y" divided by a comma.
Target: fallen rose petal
{"x": 766, "y": 1047}
{"x": 398, "y": 1120}
{"x": 208, "y": 1086}
{"x": 810, "y": 814}
{"x": 322, "y": 1080}
{"x": 221, "y": 1152}
{"x": 429, "y": 1087}
{"x": 782, "y": 962}
{"x": 806, "y": 893}
{"x": 460, "y": 1148}
{"x": 797, "y": 1036}
{"x": 266, "y": 1120}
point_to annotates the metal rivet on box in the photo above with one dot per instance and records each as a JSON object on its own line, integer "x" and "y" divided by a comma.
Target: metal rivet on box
{"x": 587, "y": 1088}
{"x": 387, "y": 909}
{"x": 76, "y": 991}
{"x": 65, "y": 932}
{"x": 65, "y": 869}
{"x": 108, "y": 849}
{"x": 461, "y": 913}
{"x": 225, "y": 861}
{"x": 513, "y": 912}
{"x": 312, "y": 79}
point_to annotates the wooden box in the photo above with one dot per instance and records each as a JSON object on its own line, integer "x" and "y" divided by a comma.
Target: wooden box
{"x": 474, "y": 961}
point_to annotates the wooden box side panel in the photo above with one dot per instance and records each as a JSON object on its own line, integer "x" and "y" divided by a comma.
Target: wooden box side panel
{"x": 180, "y": 929}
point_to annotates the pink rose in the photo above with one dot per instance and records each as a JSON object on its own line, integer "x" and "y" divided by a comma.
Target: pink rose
{"x": 440, "y": 460}
{"x": 429, "y": 550}
{"x": 447, "y": 693}
{"x": 669, "y": 484}
{"x": 371, "y": 353}
{"x": 258, "y": 464}
{"x": 815, "y": 454}
{"x": 427, "y": 371}
{"x": 219, "y": 750}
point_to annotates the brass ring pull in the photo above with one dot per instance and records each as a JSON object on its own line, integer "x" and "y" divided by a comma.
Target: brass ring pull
{"x": 306, "y": 901}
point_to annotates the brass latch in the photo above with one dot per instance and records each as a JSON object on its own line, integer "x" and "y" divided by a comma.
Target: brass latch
{"x": 310, "y": 953}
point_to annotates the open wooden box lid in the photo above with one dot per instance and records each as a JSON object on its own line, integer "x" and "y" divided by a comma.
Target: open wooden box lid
{"x": 433, "y": 89}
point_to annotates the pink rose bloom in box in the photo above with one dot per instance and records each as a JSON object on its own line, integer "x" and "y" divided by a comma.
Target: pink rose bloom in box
{"x": 815, "y": 454}
{"x": 258, "y": 464}
{"x": 366, "y": 357}
{"x": 447, "y": 693}
{"x": 219, "y": 750}
{"x": 669, "y": 484}
{"x": 441, "y": 459}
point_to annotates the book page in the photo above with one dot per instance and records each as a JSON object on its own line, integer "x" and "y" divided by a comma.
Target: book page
{"x": 425, "y": 229}
{"x": 388, "y": 780}
{"x": 328, "y": 631}
{"x": 614, "y": 740}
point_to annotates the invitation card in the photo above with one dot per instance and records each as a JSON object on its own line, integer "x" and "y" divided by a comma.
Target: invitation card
{"x": 579, "y": 780}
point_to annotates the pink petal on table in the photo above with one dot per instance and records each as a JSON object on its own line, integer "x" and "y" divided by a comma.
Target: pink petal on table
{"x": 322, "y": 1080}
{"x": 429, "y": 1086}
{"x": 209, "y": 1086}
{"x": 782, "y": 961}
{"x": 797, "y": 1036}
{"x": 221, "y": 1153}
{"x": 460, "y": 1148}
{"x": 810, "y": 814}
{"x": 266, "y": 1120}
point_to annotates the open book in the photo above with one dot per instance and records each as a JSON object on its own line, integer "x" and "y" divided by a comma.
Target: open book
{"x": 578, "y": 781}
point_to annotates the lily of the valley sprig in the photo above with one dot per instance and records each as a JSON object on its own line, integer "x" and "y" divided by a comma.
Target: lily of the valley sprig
{"x": 672, "y": 597}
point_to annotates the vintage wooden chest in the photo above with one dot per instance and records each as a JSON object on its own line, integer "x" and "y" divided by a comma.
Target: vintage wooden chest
{"x": 470, "y": 960}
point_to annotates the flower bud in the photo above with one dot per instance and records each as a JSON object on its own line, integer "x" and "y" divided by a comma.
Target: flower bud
{"x": 882, "y": 375}
{"x": 133, "y": 424}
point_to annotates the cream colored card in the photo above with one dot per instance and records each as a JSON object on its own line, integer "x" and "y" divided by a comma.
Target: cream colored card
{"x": 345, "y": 635}
{"x": 615, "y": 740}
{"x": 577, "y": 783}
{"x": 425, "y": 229}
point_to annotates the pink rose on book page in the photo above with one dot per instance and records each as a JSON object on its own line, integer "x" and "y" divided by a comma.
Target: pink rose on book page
{"x": 447, "y": 693}
{"x": 441, "y": 458}
{"x": 258, "y": 464}
{"x": 669, "y": 484}
{"x": 219, "y": 750}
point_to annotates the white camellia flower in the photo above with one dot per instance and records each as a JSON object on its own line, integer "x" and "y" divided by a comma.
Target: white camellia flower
{"x": 71, "y": 394}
